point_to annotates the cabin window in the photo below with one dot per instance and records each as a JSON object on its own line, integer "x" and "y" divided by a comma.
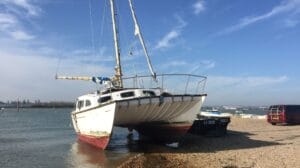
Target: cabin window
{"x": 127, "y": 94}
{"x": 274, "y": 109}
{"x": 80, "y": 104}
{"x": 87, "y": 103}
{"x": 148, "y": 93}
{"x": 104, "y": 99}
{"x": 280, "y": 108}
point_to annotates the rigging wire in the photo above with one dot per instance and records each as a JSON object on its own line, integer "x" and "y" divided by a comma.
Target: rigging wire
{"x": 92, "y": 27}
{"x": 58, "y": 66}
{"x": 102, "y": 23}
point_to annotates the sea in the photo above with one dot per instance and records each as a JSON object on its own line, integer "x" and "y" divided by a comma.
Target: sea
{"x": 38, "y": 138}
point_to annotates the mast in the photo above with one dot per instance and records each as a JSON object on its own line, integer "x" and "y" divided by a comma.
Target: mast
{"x": 138, "y": 33}
{"x": 118, "y": 70}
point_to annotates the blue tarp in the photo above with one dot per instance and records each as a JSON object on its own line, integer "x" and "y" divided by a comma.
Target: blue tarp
{"x": 100, "y": 79}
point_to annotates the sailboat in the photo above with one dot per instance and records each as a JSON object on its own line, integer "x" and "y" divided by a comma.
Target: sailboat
{"x": 153, "y": 111}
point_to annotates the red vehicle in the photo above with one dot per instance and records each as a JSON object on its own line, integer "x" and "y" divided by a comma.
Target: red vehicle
{"x": 286, "y": 114}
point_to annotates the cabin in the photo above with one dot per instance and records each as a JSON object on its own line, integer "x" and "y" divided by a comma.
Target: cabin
{"x": 101, "y": 98}
{"x": 284, "y": 114}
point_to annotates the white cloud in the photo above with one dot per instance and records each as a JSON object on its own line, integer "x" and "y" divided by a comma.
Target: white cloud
{"x": 208, "y": 64}
{"x": 246, "y": 82}
{"x": 291, "y": 22}
{"x": 176, "y": 63}
{"x": 26, "y": 5}
{"x": 250, "y": 90}
{"x": 20, "y": 35}
{"x": 7, "y": 19}
{"x": 184, "y": 66}
{"x": 10, "y": 26}
{"x": 181, "y": 23}
{"x": 202, "y": 65}
{"x": 12, "y": 20}
{"x": 261, "y": 81}
{"x": 199, "y": 7}
{"x": 28, "y": 74}
{"x": 89, "y": 56}
{"x": 284, "y": 7}
{"x": 167, "y": 40}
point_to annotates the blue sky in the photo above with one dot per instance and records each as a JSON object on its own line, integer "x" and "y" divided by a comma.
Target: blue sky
{"x": 249, "y": 50}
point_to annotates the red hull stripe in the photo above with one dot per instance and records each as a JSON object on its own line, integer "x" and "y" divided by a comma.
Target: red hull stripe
{"x": 99, "y": 142}
{"x": 168, "y": 131}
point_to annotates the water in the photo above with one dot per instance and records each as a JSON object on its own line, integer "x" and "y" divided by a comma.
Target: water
{"x": 255, "y": 111}
{"x": 45, "y": 138}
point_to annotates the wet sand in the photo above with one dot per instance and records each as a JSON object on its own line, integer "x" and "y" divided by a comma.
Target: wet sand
{"x": 248, "y": 143}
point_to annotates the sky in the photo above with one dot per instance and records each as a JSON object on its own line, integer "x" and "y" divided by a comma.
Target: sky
{"x": 249, "y": 50}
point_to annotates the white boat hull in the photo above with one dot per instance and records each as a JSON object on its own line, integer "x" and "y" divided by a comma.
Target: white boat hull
{"x": 158, "y": 109}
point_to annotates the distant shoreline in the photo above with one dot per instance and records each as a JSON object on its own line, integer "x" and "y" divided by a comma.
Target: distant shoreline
{"x": 40, "y": 105}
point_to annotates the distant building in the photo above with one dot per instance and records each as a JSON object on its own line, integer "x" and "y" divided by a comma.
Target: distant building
{"x": 230, "y": 108}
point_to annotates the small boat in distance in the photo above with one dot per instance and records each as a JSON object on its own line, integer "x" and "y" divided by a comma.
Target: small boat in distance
{"x": 157, "y": 105}
{"x": 213, "y": 113}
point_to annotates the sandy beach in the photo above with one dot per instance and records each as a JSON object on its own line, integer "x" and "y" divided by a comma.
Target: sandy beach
{"x": 248, "y": 143}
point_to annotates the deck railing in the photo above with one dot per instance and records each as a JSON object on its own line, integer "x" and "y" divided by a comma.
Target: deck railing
{"x": 173, "y": 83}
